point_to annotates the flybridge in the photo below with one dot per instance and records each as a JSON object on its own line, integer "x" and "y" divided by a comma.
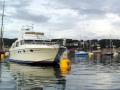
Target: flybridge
{"x": 31, "y": 35}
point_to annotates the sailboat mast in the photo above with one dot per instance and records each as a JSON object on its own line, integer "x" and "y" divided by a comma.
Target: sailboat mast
{"x": 2, "y": 26}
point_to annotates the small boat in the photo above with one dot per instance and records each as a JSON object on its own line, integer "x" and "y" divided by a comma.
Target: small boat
{"x": 32, "y": 47}
{"x": 81, "y": 53}
{"x": 81, "y": 56}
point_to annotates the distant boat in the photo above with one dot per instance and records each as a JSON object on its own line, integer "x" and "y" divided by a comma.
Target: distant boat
{"x": 32, "y": 47}
{"x": 81, "y": 56}
{"x": 81, "y": 53}
{"x": 110, "y": 51}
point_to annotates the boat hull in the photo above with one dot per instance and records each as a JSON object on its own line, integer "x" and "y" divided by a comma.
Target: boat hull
{"x": 33, "y": 55}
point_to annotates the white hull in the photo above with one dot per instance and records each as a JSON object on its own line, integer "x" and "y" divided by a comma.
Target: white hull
{"x": 34, "y": 53}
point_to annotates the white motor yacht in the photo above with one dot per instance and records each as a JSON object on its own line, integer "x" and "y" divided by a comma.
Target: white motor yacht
{"x": 32, "y": 47}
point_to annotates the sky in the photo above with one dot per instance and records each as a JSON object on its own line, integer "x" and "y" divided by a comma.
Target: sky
{"x": 75, "y": 19}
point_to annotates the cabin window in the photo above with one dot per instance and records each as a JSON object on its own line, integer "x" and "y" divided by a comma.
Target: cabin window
{"x": 38, "y": 41}
{"x": 13, "y": 45}
{"x": 29, "y": 42}
{"x": 17, "y": 44}
{"x": 31, "y": 50}
{"x": 33, "y": 41}
{"x": 23, "y": 50}
{"x": 21, "y": 42}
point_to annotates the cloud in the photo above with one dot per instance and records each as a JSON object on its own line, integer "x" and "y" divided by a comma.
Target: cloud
{"x": 86, "y": 6}
{"x": 18, "y": 3}
{"x": 65, "y": 18}
{"x": 94, "y": 7}
{"x": 24, "y": 15}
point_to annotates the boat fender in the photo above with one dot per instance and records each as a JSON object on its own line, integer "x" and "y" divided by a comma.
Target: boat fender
{"x": 91, "y": 55}
{"x": 2, "y": 57}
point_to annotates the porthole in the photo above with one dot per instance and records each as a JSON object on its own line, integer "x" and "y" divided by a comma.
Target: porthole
{"x": 23, "y": 50}
{"x": 31, "y": 50}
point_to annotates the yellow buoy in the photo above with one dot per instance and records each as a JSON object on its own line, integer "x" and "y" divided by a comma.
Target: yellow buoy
{"x": 91, "y": 55}
{"x": 2, "y": 56}
{"x": 65, "y": 64}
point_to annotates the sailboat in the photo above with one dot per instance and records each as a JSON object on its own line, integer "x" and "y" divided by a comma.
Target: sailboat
{"x": 1, "y": 33}
{"x": 110, "y": 52}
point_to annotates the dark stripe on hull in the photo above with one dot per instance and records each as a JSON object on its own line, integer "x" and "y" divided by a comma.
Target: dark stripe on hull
{"x": 45, "y": 63}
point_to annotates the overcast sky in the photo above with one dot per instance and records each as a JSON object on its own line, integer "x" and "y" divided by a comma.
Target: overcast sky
{"x": 77, "y": 19}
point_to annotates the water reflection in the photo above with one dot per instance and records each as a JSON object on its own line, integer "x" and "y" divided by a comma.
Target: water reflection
{"x": 99, "y": 73}
{"x": 37, "y": 78}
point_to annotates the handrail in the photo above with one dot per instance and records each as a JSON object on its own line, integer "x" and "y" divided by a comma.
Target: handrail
{"x": 49, "y": 43}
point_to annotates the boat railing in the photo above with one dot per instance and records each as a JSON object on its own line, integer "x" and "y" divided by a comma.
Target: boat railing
{"x": 49, "y": 43}
{"x": 44, "y": 43}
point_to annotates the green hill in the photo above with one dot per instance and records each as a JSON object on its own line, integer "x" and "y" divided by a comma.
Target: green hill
{"x": 8, "y": 42}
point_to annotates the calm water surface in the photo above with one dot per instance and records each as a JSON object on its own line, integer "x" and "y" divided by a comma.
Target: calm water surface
{"x": 37, "y": 78}
{"x": 85, "y": 75}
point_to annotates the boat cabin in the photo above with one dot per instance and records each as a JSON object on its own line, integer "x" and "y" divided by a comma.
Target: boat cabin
{"x": 32, "y": 38}
{"x": 32, "y": 42}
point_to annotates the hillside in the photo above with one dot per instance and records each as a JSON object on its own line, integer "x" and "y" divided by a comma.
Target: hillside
{"x": 103, "y": 43}
{"x": 8, "y": 42}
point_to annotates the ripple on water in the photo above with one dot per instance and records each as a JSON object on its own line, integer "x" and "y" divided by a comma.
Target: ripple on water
{"x": 93, "y": 77}
{"x": 83, "y": 76}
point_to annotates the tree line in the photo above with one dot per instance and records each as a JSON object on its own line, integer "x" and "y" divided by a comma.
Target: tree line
{"x": 103, "y": 43}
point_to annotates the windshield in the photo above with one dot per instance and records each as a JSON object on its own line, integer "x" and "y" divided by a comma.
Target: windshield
{"x": 33, "y": 41}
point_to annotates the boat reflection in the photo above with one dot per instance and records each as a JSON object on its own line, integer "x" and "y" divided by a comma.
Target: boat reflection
{"x": 37, "y": 78}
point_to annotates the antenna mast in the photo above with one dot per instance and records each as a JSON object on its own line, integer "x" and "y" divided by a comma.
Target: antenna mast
{"x": 2, "y": 27}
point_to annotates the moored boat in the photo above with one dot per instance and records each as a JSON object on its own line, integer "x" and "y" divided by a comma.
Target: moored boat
{"x": 32, "y": 47}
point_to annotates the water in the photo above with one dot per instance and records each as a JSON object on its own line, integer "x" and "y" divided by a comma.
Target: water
{"x": 98, "y": 74}
{"x": 37, "y": 78}
{"x": 6, "y": 80}
{"x": 92, "y": 77}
